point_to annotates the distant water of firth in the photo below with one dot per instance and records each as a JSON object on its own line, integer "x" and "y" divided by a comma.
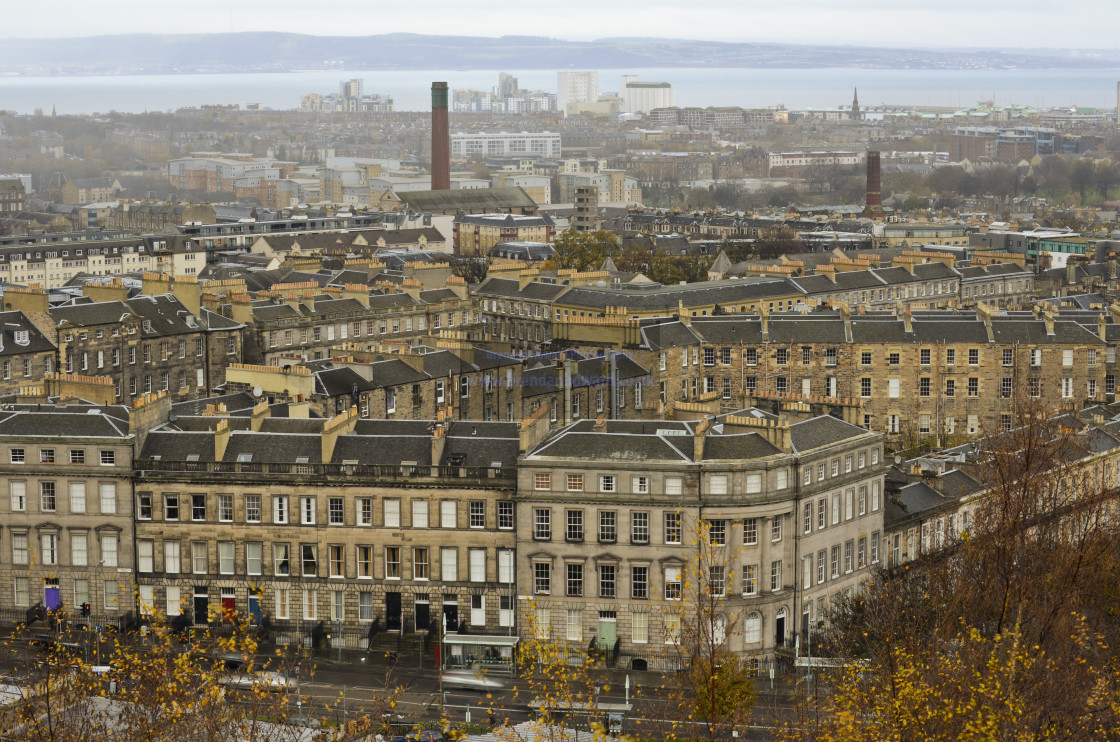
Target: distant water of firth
{"x": 749, "y": 88}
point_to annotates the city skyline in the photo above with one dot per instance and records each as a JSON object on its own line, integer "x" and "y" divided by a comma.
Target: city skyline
{"x": 861, "y": 23}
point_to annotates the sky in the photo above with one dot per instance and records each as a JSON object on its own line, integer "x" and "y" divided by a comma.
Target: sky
{"x": 1086, "y": 24}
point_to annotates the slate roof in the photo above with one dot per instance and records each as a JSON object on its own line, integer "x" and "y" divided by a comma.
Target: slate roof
{"x": 615, "y": 447}
{"x": 956, "y": 483}
{"x": 215, "y": 321}
{"x": 731, "y": 292}
{"x": 523, "y": 250}
{"x": 337, "y": 382}
{"x": 394, "y": 428}
{"x": 505, "y": 220}
{"x": 200, "y": 423}
{"x": 482, "y": 450}
{"x": 540, "y": 380}
{"x": 443, "y": 363}
{"x": 391, "y": 301}
{"x": 274, "y": 448}
{"x": 668, "y": 334}
{"x": 393, "y": 237}
{"x": 384, "y": 450}
{"x": 307, "y": 425}
{"x": 80, "y": 422}
{"x": 434, "y": 296}
{"x": 476, "y": 200}
{"x": 233, "y": 402}
{"x": 90, "y": 314}
{"x": 632, "y": 427}
{"x": 165, "y": 314}
{"x": 919, "y": 497}
{"x": 729, "y": 330}
{"x": 17, "y": 321}
{"x": 177, "y": 446}
{"x": 806, "y": 329}
{"x": 393, "y": 372}
{"x": 1034, "y": 332}
{"x": 980, "y": 272}
{"x": 535, "y": 290}
{"x": 821, "y": 431}
{"x": 735, "y": 447}
{"x": 343, "y": 277}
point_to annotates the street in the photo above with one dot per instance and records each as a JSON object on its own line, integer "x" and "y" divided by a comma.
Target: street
{"x": 341, "y": 689}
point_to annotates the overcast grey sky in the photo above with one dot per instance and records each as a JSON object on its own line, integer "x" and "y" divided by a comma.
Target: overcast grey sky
{"x": 893, "y": 23}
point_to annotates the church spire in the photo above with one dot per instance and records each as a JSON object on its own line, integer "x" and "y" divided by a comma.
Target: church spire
{"x": 856, "y": 116}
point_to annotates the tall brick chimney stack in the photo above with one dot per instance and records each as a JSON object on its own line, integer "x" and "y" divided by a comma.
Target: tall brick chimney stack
{"x": 441, "y": 139}
{"x": 874, "y": 207}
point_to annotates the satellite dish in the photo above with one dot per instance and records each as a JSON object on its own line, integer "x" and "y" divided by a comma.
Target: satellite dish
{"x": 897, "y": 459}
{"x": 257, "y": 391}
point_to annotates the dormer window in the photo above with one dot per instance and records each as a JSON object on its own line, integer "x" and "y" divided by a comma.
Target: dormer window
{"x": 22, "y": 337}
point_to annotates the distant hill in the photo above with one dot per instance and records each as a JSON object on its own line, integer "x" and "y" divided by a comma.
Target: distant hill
{"x": 242, "y": 52}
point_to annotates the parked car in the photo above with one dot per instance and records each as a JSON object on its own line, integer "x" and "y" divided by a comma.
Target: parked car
{"x": 273, "y": 681}
{"x": 467, "y": 680}
{"x": 10, "y": 691}
{"x": 50, "y": 643}
{"x": 425, "y": 735}
{"x": 422, "y": 735}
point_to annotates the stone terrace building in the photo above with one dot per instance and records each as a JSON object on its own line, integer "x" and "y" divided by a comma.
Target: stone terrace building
{"x": 609, "y": 514}
{"x": 26, "y": 354}
{"x": 347, "y": 522}
{"x": 420, "y": 383}
{"x": 299, "y": 323}
{"x": 518, "y": 312}
{"x": 148, "y": 344}
{"x": 162, "y": 340}
{"x": 66, "y": 511}
{"x": 935, "y": 376}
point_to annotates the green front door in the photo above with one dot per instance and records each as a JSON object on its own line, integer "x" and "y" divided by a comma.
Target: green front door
{"x": 608, "y": 630}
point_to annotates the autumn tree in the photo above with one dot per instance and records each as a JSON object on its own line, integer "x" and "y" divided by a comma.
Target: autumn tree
{"x": 673, "y": 269}
{"x": 708, "y": 688}
{"x": 777, "y": 241}
{"x": 559, "y": 680}
{"x": 471, "y": 268}
{"x": 1009, "y": 629}
{"x": 634, "y": 259}
{"x": 153, "y": 687}
{"x": 583, "y": 251}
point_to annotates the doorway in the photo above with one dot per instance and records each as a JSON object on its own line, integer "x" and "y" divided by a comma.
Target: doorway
{"x": 52, "y": 598}
{"x": 780, "y": 628}
{"x": 608, "y": 629}
{"x": 229, "y": 605}
{"x": 393, "y": 611}
{"x": 451, "y": 613}
{"x": 201, "y": 605}
{"x": 423, "y": 613}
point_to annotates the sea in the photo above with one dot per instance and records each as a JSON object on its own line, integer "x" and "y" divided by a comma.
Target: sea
{"x": 749, "y": 88}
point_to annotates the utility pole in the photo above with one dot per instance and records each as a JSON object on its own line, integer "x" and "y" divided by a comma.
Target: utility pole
{"x": 442, "y": 631}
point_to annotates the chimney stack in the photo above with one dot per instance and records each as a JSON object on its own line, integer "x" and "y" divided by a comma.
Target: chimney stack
{"x": 441, "y": 139}
{"x": 874, "y": 207}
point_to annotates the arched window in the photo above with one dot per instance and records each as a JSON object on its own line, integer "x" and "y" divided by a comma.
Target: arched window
{"x": 752, "y": 628}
